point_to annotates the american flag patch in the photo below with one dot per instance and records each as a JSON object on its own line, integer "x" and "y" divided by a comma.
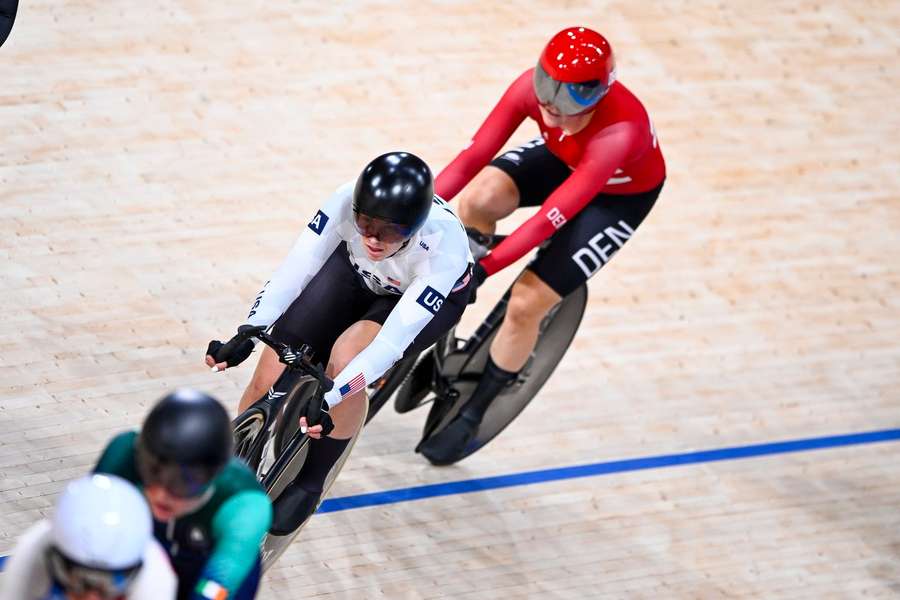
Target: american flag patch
{"x": 462, "y": 282}
{"x": 353, "y": 386}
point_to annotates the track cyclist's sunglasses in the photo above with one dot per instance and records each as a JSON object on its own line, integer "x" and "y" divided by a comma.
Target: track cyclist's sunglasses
{"x": 183, "y": 481}
{"x": 568, "y": 99}
{"x": 381, "y": 230}
{"x": 79, "y": 579}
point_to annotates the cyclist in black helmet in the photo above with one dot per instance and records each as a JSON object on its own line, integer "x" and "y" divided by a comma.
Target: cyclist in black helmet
{"x": 209, "y": 512}
{"x": 381, "y": 270}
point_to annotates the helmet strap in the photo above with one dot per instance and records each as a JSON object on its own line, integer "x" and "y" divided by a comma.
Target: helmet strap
{"x": 402, "y": 246}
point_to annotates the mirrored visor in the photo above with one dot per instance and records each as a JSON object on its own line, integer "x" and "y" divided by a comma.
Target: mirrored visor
{"x": 383, "y": 231}
{"x": 184, "y": 481}
{"x": 79, "y": 579}
{"x": 568, "y": 99}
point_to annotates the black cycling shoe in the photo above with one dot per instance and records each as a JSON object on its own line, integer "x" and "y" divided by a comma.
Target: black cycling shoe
{"x": 292, "y": 509}
{"x": 446, "y": 446}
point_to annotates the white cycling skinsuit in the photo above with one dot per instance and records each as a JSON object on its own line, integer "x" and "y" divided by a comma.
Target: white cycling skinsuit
{"x": 433, "y": 263}
{"x": 26, "y": 575}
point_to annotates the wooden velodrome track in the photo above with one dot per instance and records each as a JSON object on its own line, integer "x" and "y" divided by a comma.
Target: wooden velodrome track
{"x": 157, "y": 160}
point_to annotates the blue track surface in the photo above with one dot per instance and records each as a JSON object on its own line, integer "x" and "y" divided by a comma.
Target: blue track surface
{"x": 603, "y": 468}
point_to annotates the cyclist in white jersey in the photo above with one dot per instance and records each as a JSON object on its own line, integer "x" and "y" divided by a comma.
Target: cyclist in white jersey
{"x": 98, "y": 546}
{"x": 381, "y": 270}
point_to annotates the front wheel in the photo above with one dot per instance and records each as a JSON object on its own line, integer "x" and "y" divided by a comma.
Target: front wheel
{"x": 274, "y": 545}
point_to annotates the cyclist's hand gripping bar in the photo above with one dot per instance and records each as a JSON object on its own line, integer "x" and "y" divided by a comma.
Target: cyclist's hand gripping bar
{"x": 236, "y": 350}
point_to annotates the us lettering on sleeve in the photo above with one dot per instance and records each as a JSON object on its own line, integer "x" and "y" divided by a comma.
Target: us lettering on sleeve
{"x": 431, "y": 300}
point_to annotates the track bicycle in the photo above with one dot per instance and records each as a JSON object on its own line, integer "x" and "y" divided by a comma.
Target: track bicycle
{"x": 446, "y": 375}
{"x": 267, "y": 434}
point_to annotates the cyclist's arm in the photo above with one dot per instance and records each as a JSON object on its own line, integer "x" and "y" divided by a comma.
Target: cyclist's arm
{"x": 238, "y": 528}
{"x": 417, "y": 306}
{"x": 500, "y": 124}
{"x": 25, "y": 574}
{"x": 604, "y": 154}
{"x": 318, "y": 240}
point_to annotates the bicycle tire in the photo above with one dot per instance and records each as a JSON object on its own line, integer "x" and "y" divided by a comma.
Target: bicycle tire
{"x": 285, "y": 437}
{"x": 287, "y": 420}
{"x": 273, "y": 546}
{"x": 558, "y": 331}
{"x": 387, "y": 384}
{"x": 416, "y": 385}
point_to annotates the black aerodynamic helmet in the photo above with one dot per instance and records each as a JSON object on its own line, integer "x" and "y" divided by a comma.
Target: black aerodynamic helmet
{"x": 184, "y": 443}
{"x": 8, "y": 9}
{"x": 393, "y": 196}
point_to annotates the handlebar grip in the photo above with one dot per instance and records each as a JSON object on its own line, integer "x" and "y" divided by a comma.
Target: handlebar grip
{"x": 244, "y": 333}
{"x": 304, "y": 364}
{"x": 226, "y": 349}
{"x": 313, "y": 411}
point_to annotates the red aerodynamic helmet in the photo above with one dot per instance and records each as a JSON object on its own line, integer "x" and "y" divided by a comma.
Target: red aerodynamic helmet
{"x": 576, "y": 69}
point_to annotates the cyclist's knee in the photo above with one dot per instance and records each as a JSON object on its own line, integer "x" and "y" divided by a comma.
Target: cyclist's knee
{"x": 529, "y": 301}
{"x": 490, "y": 196}
{"x": 349, "y": 344}
{"x": 257, "y": 387}
{"x": 522, "y": 313}
{"x": 267, "y": 372}
{"x": 340, "y": 358}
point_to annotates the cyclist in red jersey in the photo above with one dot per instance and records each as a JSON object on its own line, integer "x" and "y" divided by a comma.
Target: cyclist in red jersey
{"x": 595, "y": 171}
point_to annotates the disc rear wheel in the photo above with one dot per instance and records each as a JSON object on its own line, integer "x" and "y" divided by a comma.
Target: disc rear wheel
{"x": 557, "y": 331}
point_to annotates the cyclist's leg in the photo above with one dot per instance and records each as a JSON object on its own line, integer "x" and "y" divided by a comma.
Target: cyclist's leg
{"x": 536, "y": 173}
{"x": 348, "y": 416}
{"x": 522, "y": 176}
{"x": 533, "y": 173}
{"x": 489, "y": 197}
{"x": 330, "y": 302}
{"x": 268, "y": 370}
{"x": 300, "y": 498}
{"x": 530, "y": 299}
{"x": 576, "y": 252}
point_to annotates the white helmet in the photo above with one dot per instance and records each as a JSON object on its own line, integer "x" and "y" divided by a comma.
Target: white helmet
{"x": 102, "y": 522}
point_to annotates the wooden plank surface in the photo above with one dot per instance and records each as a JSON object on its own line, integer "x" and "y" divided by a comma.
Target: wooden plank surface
{"x": 158, "y": 159}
